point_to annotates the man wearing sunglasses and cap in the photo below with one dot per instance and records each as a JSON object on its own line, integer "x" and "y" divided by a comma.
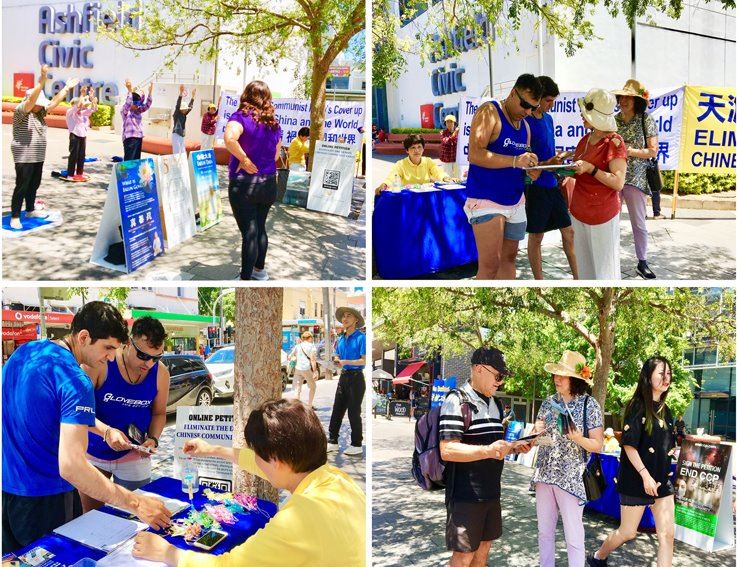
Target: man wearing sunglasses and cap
{"x": 498, "y": 153}
{"x": 48, "y": 407}
{"x": 130, "y": 389}
{"x": 474, "y": 459}
{"x": 351, "y": 357}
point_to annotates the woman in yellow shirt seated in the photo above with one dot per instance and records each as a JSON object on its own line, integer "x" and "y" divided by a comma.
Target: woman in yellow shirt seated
{"x": 323, "y": 524}
{"x": 298, "y": 149}
{"x": 414, "y": 169}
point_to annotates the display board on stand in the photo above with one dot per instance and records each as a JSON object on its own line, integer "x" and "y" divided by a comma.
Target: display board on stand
{"x": 175, "y": 199}
{"x": 205, "y": 188}
{"x": 331, "y": 184}
{"x": 440, "y": 389}
{"x": 130, "y": 218}
{"x": 214, "y": 425}
{"x": 703, "y": 485}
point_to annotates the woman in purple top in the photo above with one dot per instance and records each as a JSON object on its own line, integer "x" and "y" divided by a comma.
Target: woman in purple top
{"x": 253, "y": 138}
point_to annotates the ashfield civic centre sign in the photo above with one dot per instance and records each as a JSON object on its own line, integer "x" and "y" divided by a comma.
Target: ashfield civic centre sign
{"x": 57, "y": 54}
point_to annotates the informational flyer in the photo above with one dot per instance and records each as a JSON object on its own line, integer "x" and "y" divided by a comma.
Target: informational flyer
{"x": 175, "y": 194}
{"x": 205, "y": 188}
{"x": 331, "y": 183}
{"x": 703, "y": 485}
{"x": 214, "y": 425}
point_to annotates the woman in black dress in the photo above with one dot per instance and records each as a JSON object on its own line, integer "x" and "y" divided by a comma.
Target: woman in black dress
{"x": 644, "y": 469}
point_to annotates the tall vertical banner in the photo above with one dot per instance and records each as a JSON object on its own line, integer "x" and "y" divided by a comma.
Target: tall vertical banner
{"x": 331, "y": 182}
{"x": 440, "y": 389}
{"x": 214, "y": 425}
{"x": 131, "y": 211}
{"x": 467, "y": 108}
{"x": 343, "y": 120}
{"x": 229, "y": 103}
{"x": 709, "y": 130}
{"x": 205, "y": 188}
{"x": 703, "y": 510}
{"x": 175, "y": 196}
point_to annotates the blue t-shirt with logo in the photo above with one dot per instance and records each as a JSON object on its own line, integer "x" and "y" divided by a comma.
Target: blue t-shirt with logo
{"x": 42, "y": 387}
{"x": 352, "y": 347}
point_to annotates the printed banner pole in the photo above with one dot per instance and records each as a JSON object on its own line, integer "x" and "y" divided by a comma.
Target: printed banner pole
{"x": 675, "y": 195}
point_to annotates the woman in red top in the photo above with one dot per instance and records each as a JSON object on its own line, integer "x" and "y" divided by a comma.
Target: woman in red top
{"x": 600, "y": 162}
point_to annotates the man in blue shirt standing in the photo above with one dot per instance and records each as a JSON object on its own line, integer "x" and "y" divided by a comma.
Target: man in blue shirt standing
{"x": 351, "y": 357}
{"x": 48, "y": 408}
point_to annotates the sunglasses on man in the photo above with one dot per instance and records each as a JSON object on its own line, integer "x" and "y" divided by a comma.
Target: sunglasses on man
{"x": 498, "y": 378}
{"x": 144, "y": 355}
{"x": 524, "y": 104}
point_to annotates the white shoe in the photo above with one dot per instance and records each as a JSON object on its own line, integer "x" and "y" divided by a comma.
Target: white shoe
{"x": 332, "y": 447}
{"x": 15, "y": 224}
{"x": 353, "y": 451}
{"x": 260, "y": 275}
{"x": 35, "y": 214}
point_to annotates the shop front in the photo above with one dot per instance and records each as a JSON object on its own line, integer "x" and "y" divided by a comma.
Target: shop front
{"x": 20, "y": 326}
{"x": 184, "y": 331}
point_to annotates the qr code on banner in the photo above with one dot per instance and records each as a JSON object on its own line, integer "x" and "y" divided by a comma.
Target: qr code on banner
{"x": 331, "y": 179}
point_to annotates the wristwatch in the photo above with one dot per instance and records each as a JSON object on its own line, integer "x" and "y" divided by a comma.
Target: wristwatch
{"x": 155, "y": 440}
{"x": 594, "y": 171}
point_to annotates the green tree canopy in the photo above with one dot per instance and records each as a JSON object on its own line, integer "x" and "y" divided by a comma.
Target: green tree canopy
{"x": 616, "y": 329}
{"x": 567, "y": 20}
{"x": 319, "y": 28}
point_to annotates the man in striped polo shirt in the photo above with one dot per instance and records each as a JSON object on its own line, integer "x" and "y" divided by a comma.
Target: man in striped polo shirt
{"x": 474, "y": 459}
{"x": 29, "y": 146}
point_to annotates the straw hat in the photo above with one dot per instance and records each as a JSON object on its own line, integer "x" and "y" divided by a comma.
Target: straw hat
{"x": 609, "y": 432}
{"x": 449, "y": 117}
{"x": 571, "y": 364}
{"x": 357, "y": 314}
{"x": 633, "y": 87}
{"x": 597, "y": 107}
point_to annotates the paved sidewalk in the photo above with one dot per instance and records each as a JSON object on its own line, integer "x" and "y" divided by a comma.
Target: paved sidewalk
{"x": 163, "y": 462}
{"x": 699, "y": 244}
{"x": 303, "y": 245}
{"x": 409, "y": 523}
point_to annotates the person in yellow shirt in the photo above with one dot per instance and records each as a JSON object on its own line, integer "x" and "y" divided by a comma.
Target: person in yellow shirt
{"x": 298, "y": 149}
{"x": 323, "y": 524}
{"x": 414, "y": 169}
{"x": 611, "y": 445}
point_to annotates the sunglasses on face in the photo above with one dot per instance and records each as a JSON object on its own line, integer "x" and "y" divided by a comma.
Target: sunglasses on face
{"x": 144, "y": 355}
{"x": 524, "y": 104}
{"x": 498, "y": 378}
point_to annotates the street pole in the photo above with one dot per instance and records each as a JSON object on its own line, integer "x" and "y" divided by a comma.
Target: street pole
{"x": 327, "y": 316}
{"x": 490, "y": 32}
{"x": 215, "y": 306}
{"x": 41, "y": 314}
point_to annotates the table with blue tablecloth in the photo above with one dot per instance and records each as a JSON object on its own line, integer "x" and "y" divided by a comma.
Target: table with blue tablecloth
{"x": 608, "y": 504}
{"x": 67, "y": 552}
{"x": 421, "y": 233}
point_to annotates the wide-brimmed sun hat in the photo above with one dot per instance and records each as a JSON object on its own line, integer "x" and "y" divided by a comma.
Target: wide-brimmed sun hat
{"x": 355, "y": 312}
{"x": 597, "y": 108}
{"x": 609, "y": 432}
{"x": 41, "y": 101}
{"x": 633, "y": 87}
{"x": 571, "y": 364}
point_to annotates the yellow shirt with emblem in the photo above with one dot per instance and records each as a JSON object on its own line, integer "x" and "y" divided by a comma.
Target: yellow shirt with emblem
{"x": 323, "y": 524}
{"x": 410, "y": 174}
{"x": 297, "y": 151}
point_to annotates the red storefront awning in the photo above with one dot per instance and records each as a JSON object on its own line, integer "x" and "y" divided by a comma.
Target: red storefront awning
{"x": 404, "y": 376}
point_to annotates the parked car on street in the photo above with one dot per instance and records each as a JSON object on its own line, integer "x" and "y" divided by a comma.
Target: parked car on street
{"x": 191, "y": 381}
{"x": 221, "y": 366}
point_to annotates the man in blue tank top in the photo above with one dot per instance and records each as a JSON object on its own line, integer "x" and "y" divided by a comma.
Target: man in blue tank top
{"x": 498, "y": 152}
{"x": 131, "y": 389}
{"x": 48, "y": 407}
{"x": 544, "y": 203}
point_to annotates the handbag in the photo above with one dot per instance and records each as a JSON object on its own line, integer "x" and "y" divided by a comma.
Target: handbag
{"x": 593, "y": 477}
{"x": 654, "y": 180}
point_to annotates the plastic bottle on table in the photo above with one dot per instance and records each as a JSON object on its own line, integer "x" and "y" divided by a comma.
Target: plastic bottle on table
{"x": 190, "y": 477}
{"x": 397, "y": 185}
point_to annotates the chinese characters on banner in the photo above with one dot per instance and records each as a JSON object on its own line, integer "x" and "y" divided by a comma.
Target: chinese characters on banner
{"x": 342, "y": 120}
{"x": 205, "y": 188}
{"x": 709, "y": 131}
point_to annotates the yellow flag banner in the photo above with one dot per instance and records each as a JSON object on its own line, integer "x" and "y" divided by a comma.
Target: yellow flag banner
{"x": 708, "y": 143}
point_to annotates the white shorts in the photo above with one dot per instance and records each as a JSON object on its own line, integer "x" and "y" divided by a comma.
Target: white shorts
{"x": 129, "y": 468}
{"x": 479, "y": 211}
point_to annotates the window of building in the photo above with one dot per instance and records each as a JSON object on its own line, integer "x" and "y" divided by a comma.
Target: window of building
{"x": 337, "y": 83}
{"x": 302, "y": 308}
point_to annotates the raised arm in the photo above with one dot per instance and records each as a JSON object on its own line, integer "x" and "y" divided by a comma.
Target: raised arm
{"x": 33, "y": 96}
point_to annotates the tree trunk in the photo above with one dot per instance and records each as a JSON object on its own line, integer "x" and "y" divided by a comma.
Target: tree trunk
{"x": 604, "y": 344}
{"x": 257, "y": 369}
{"x": 317, "y": 94}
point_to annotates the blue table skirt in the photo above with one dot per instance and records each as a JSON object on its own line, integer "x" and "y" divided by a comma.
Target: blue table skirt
{"x": 608, "y": 504}
{"x": 68, "y": 552}
{"x": 417, "y": 234}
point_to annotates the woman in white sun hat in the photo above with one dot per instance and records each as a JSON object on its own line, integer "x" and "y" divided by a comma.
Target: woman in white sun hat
{"x": 600, "y": 161}
{"x": 558, "y": 478}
